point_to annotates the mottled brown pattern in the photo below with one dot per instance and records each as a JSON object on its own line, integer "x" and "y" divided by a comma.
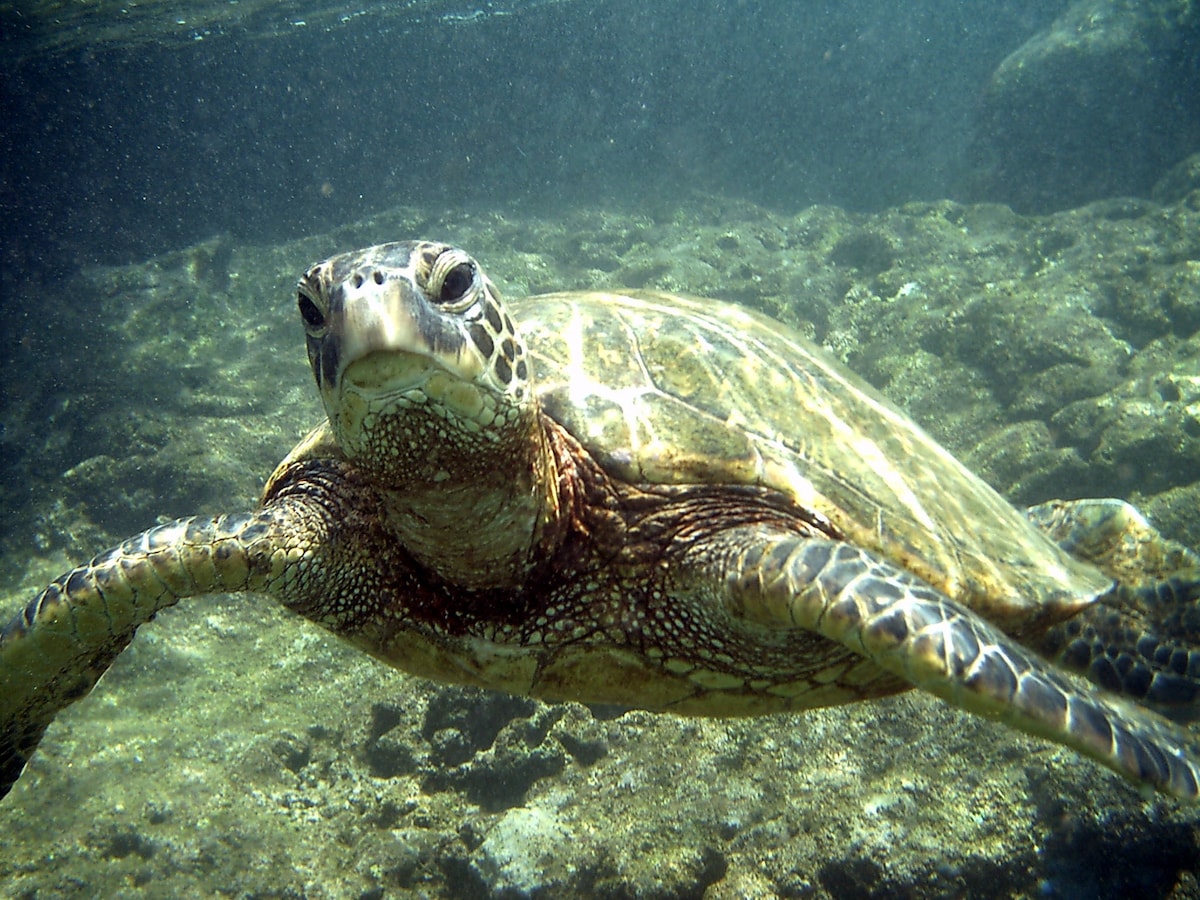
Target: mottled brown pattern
{"x": 683, "y": 507}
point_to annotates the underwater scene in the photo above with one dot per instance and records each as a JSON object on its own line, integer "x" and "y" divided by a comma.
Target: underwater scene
{"x": 990, "y": 214}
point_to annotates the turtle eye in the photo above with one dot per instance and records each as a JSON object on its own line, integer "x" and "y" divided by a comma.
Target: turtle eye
{"x": 310, "y": 313}
{"x": 457, "y": 282}
{"x": 452, "y": 279}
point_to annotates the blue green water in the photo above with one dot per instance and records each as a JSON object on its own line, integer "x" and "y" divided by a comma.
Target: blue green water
{"x": 990, "y": 215}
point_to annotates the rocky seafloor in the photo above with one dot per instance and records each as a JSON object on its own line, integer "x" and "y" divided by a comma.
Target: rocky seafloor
{"x": 234, "y": 751}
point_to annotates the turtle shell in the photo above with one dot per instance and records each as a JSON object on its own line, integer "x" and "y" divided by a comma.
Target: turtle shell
{"x": 661, "y": 388}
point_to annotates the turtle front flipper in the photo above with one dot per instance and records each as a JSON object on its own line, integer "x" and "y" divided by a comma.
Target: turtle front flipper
{"x": 907, "y": 627}
{"x": 55, "y": 650}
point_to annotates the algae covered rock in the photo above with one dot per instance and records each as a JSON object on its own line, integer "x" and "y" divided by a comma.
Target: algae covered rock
{"x": 236, "y": 751}
{"x": 1101, "y": 102}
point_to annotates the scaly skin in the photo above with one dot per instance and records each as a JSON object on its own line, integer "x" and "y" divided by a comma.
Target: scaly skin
{"x": 698, "y": 513}
{"x": 56, "y": 649}
{"x": 908, "y": 628}
{"x": 1114, "y": 537}
{"x": 1142, "y": 639}
{"x": 801, "y": 583}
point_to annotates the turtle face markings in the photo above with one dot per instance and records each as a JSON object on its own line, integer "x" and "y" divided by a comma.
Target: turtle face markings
{"x": 415, "y": 357}
{"x": 459, "y": 286}
{"x": 427, "y": 386}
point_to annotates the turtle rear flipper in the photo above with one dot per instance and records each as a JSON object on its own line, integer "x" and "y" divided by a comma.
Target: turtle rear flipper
{"x": 1142, "y": 639}
{"x": 905, "y": 626}
{"x": 1114, "y": 537}
{"x": 55, "y": 650}
{"x": 1143, "y": 642}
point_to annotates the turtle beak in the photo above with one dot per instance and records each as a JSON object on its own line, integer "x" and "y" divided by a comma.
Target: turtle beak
{"x": 384, "y": 336}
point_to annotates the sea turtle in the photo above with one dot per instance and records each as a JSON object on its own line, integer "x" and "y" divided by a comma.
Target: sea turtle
{"x": 648, "y": 500}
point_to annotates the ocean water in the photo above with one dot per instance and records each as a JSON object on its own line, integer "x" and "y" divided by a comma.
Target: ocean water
{"x": 992, "y": 217}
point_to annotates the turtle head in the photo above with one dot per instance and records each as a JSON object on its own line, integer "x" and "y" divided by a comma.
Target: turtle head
{"x": 427, "y": 387}
{"x": 420, "y": 369}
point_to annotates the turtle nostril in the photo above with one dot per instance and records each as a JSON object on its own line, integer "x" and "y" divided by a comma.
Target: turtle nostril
{"x": 378, "y": 277}
{"x": 357, "y": 280}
